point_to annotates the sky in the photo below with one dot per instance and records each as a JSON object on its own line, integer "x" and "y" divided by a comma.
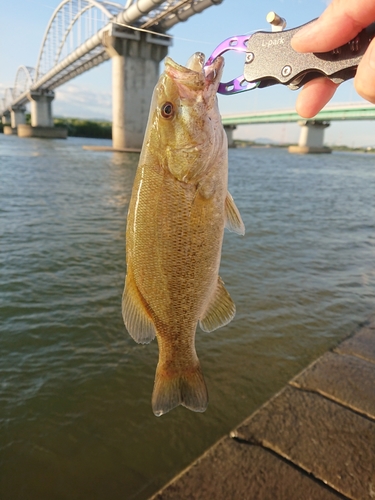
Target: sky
{"x": 89, "y": 95}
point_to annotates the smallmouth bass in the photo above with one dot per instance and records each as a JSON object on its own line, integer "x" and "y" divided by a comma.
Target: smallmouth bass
{"x": 177, "y": 213}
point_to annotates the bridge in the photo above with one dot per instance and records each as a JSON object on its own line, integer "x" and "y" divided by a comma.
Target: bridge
{"x": 312, "y": 133}
{"x": 82, "y": 34}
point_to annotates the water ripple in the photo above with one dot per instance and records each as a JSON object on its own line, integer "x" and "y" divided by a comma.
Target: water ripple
{"x": 75, "y": 389}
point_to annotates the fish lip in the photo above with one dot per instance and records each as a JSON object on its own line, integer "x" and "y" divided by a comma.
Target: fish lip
{"x": 170, "y": 63}
{"x": 184, "y": 75}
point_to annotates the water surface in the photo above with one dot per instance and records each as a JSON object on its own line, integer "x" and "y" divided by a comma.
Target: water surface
{"x": 75, "y": 413}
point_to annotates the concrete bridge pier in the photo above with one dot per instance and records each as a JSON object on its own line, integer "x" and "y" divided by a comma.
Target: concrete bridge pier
{"x": 41, "y": 108}
{"x": 5, "y": 118}
{"x": 229, "y": 131}
{"x": 7, "y": 126}
{"x": 17, "y": 116}
{"x": 41, "y": 117}
{"x": 311, "y": 137}
{"x": 135, "y": 72}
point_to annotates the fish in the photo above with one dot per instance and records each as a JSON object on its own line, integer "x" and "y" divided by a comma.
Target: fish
{"x": 177, "y": 213}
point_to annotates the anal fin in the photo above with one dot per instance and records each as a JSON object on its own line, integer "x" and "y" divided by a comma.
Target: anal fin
{"x": 220, "y": 311}
{"x": 135, "y": 315}
{"x": 233, "y": 218}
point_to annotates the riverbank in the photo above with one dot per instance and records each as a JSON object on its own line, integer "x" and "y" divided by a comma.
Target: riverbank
{"x": 315, "y": 439}
{"x": 238, "y": 143}
{"x": 77, "y": 127}
{"x": 97, "y": 129}
{"x": 85, "y": 128}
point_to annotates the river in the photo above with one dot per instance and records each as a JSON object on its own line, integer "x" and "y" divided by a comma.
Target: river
{"x": 75, "y": 389}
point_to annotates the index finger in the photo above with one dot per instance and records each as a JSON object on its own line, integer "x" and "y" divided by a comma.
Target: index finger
{"x": 339, "y": 23}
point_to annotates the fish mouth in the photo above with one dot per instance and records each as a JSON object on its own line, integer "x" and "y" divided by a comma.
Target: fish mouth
{"x": 184, "y": 75}
{"x": 198, "y": 77}
{"x": 214, "y": 70}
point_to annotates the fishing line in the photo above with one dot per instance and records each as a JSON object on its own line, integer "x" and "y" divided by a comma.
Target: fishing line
{"x": 165, "y": 35}
{"x": 145, "y": 30}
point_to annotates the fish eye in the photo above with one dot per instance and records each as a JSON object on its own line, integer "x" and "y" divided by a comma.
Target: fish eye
{"x": 167, "y": 110}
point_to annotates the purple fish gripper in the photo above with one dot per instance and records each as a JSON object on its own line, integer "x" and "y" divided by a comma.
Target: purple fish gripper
{"x": 239, "y": 84}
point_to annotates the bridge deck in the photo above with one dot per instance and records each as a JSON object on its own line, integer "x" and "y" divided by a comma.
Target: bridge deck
{"x": 358, "y": 111}
{"x": 315, "y": 439}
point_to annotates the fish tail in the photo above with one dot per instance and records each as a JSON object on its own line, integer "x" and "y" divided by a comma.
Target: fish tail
{"x": 172, "y": 388}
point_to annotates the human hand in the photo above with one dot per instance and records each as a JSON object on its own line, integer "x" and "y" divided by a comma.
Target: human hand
{"x": 339, "y": 23}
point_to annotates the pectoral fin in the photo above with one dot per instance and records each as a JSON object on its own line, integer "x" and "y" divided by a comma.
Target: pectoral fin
{"x": 136, "y": 317}
{"x": 220, "y": 310}
{"x": 233, "y": 218}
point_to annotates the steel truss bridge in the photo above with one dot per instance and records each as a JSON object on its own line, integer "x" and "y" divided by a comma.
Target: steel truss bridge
{"x": 74, "y": 39}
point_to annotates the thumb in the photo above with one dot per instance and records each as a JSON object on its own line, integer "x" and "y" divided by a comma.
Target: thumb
{"x": 364, "y": 81}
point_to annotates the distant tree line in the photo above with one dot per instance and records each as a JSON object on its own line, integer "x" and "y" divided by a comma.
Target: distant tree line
{"x": 80, "y": 128}
{"x": 85, "y": 128}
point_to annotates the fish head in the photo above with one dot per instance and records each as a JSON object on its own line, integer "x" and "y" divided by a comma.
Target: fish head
{"x": 186, "y": 122}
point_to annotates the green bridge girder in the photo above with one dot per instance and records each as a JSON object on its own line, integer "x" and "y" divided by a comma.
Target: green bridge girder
{"x": 358, "y": 112}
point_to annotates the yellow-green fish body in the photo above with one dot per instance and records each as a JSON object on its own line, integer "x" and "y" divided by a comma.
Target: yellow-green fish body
{"x": 177, "y": 214}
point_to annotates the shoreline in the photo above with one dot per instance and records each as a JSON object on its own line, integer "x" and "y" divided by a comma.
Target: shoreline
{"x": 253, "y": 144}
{"x": 314, "y": 439}
{"x": 97, "y": 129}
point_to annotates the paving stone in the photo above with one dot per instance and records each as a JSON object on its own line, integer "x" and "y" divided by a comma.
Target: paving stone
{"x": 332, "y": 443}
{"x": 346, "y": 379}
{"x": 231, "y": 470}
{"x": 362, "y": 344}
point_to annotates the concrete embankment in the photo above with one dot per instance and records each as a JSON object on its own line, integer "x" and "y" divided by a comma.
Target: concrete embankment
{"x": 314, "y": 440}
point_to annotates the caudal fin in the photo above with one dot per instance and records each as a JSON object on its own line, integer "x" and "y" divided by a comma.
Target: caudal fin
{"x": 186, "y": 388}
